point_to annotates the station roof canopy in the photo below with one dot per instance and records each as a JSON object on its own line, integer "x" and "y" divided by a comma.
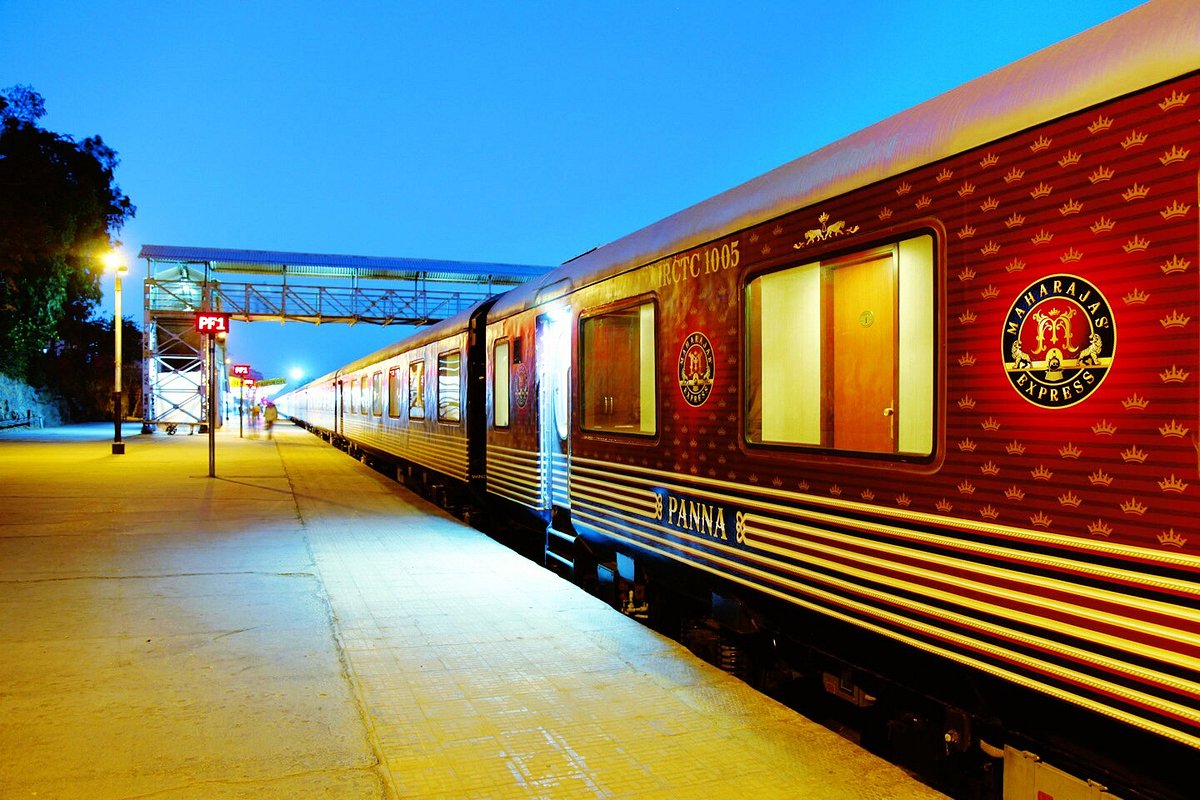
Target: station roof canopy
{"x": 267, "y": 262}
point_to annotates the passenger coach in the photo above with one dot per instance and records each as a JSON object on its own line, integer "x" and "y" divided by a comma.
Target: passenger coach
{"x": 904, "y": 430}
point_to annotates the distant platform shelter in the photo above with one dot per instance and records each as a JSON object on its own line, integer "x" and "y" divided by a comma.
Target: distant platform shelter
{"x": 260, "y": 285}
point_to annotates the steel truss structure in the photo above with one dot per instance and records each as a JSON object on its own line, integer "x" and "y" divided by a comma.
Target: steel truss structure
{"x": 381, "y": 291}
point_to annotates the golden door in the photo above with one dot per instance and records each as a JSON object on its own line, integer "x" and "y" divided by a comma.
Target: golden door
{"x": 862, "y": 354}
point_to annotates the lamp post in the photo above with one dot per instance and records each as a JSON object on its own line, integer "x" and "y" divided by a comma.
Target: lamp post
{"x": 115, "y": 262}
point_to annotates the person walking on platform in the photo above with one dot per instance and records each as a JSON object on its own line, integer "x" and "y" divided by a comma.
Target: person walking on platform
{"x": 255, "y": 410}
{"x": 270, "y": 414}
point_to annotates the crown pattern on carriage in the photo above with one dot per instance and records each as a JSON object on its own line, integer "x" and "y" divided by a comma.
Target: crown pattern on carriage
{"x": 1069, "y": 160}
{"x": 1173, "y": 375}
{"x": 1070, "y": 207}
{"x": 1175, "y": 319}
{"x": 1175, "y": 210}
{"x": 1134, "y": 507}
{"x": 1134, "y": 455}
{"x": 1169, "y": 538}
{"x": 1135, "y": 402}
{"x": 1173, "y": 430}
{"x": 1172, "y": 484}
{"x": 1134, "y": 139}
{"x": 1174, "y": 155}
{"x": 1069, "y": 500}
{"x": 1176, "y": 264}
{"x": 1135, "y": 192}
{"x": 1175, "y": 99}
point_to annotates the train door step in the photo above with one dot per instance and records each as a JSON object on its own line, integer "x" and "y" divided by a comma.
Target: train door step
{"x": 560, "y": 549}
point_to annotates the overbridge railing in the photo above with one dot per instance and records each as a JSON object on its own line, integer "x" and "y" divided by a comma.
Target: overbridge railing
{"x": 316, "y": 304}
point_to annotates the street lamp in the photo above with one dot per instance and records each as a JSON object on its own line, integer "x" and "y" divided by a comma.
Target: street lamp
{"x": 116, "y": 263}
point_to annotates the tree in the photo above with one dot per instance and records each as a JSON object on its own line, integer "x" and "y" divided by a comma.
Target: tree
{"x": 59, "y": 208}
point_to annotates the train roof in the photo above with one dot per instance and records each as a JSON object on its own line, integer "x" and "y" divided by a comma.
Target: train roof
{"x": 1150, "y": 44}
{"x": 423, "y": 336}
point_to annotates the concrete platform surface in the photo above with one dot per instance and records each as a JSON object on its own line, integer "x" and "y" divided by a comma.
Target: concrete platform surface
{"x": 302, "y": 627}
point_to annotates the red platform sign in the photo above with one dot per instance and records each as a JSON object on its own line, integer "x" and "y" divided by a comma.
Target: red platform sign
{"x": 241, "y": 370}
{"x": 212, "y": 322}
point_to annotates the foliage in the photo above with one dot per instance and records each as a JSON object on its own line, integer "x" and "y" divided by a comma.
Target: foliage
{"x": 59, "y": 206}
{"x": 79, "y": 365}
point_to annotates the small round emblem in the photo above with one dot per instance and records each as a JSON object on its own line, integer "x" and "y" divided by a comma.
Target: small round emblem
{"x": 521, "y": 385}
{"x": 696, "y": 369}
{"x": 1059, "y": 341}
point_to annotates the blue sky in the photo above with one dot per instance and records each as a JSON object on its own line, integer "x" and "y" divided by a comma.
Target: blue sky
{"x": 515, "y": 132}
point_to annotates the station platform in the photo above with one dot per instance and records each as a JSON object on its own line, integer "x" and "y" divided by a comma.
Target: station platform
{"x": 301, "y": 626}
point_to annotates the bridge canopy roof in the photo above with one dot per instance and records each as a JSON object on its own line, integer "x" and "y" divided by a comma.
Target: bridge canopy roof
{"x": 268, "y": 262}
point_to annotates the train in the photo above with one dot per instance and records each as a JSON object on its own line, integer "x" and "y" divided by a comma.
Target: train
{"x": 904, "y": 431}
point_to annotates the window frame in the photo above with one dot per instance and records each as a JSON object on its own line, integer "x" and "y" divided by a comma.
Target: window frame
{"x": 847, "y": 257}
{"x": 458, "y": 389}
{"x": 395, "y": 400}
{"x": 588, "y": 316}
{"x": 507, "y": 394}
{"x": 377, "y": 393}
{"x": 414, "y": 397}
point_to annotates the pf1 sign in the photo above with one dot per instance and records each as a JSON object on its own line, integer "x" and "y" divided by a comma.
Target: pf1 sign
{"x": 212, "y": 323}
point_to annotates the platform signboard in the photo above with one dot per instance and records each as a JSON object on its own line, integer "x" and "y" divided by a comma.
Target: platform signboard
{"x": 212, "y": 322}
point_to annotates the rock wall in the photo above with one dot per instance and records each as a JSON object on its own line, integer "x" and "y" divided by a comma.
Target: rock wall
{"x": 19, "y": 400}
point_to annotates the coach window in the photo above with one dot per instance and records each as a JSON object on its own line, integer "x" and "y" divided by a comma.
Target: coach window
{"x": 377, "y": 394}
{"x": 500, "y": 369}
{"x": 353, "y": 392}
{"x": 840, "y": 352}
{"x": 394, "y": 392}
{"x": 449, "y": 386}
{"x": 416, "y": 390}
{"x": 616, "y": 371}
{"x": 364, "y": 396}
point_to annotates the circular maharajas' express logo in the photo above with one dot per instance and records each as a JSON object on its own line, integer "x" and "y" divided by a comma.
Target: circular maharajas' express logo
{"x": 696, "y": 369}
{"x": 1059, "y": 341}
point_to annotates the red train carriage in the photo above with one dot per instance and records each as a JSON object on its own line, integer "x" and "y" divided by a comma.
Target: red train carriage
{"x": 922, "y": 404}
{"x": 912, "y": 420}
